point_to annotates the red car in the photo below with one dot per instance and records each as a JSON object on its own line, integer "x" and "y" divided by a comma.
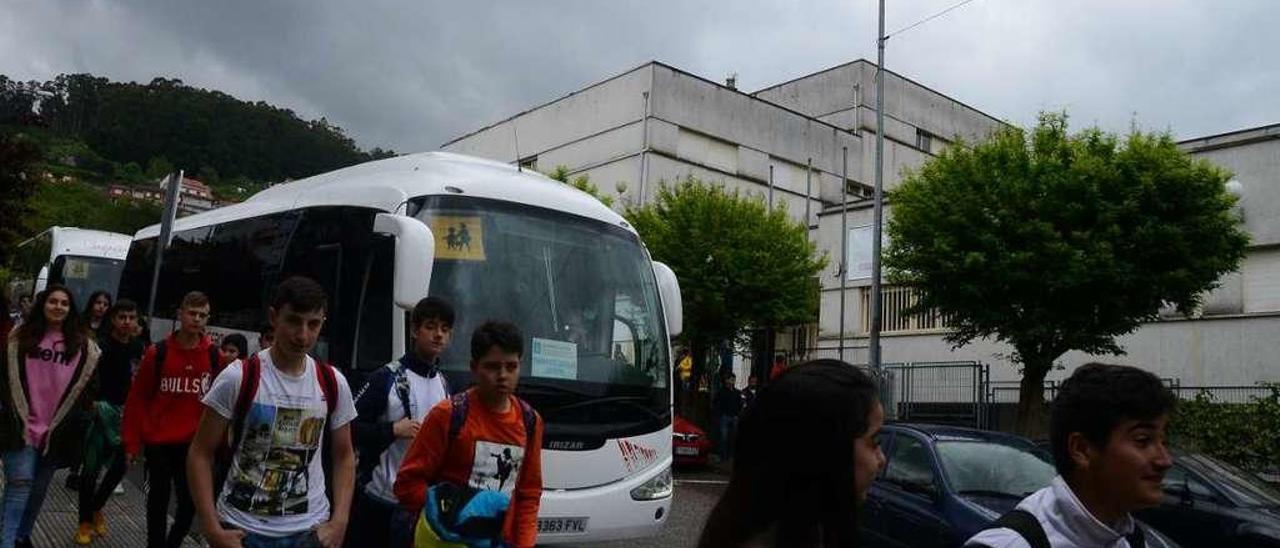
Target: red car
{"x": 689, "y": 443}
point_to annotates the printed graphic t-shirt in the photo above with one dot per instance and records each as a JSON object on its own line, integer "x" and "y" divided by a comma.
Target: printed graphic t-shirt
{"x": 275, "y": 486}
{"x": 490, "y": 453}
{"x": 49, "y": 373}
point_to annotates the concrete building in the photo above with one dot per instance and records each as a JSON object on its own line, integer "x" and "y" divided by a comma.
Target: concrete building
{"x": 656, "y": 123}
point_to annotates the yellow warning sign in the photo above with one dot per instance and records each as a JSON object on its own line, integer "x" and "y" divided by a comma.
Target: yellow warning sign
{"x": 459, "y": 238}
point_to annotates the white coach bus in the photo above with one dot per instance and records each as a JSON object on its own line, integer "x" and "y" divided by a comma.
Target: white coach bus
{"x": 83, "y": 260}
{"x": 596, "y": 311}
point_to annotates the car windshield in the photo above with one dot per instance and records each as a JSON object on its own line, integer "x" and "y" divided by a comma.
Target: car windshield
{"x": 1240, "y": 486}
{"x": 993, "y": 469}
{"x": 583, "y": 293}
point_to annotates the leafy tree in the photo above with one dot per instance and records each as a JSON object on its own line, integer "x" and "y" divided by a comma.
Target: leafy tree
{"x": 158, "y": 167}
{"x": 581, "y": 182}
{"x": 741, "y": 265}
{"x": 19, "y": 173}
{"x": 1052, "y": 242}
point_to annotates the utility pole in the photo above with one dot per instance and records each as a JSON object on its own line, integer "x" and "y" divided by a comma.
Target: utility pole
{"x": 873, "y": 350}
{"x": 843, "y": 271}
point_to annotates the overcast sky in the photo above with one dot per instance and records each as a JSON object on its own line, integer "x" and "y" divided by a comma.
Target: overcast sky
{"x": 411, "y": 75}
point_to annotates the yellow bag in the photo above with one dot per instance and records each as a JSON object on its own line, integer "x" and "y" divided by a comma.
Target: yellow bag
{"x": 424, "y": 537}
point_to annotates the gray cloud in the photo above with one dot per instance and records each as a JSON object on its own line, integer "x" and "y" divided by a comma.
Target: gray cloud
{"x": 413, "y": 74}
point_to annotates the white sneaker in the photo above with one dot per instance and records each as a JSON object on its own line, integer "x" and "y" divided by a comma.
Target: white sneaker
{"x": 119, "y": 490}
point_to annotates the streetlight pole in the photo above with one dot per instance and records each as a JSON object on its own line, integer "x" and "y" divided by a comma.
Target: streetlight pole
{"x": 873, "y": 350}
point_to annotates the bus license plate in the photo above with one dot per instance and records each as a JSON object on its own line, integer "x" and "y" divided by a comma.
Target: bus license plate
{"x": 562, "y": 525}
{"x": 687, "y": 451}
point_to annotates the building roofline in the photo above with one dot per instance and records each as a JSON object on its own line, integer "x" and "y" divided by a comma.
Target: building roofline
{"x": 890, "y": 71}
{"x": 1270, "y": 131}
{"x": 647, "y": 64}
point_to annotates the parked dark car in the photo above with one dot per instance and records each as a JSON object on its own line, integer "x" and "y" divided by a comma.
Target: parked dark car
{"x": 1212, "y": 503}
{"x": 943, "y": 484}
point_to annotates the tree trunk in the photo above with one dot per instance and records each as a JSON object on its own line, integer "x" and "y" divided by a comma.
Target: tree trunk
{"x": 696, "y": 406}
{"x": 1033, "y": 416}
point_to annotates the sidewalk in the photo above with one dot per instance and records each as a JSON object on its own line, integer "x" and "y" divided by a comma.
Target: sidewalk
{"x": 126, "y": 518}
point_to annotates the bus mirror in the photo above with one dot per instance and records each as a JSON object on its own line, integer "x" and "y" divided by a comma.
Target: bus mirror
{"x": 415, "y": 252}
{"x": 672, "y": 305}
{"x": 42, "y": 280}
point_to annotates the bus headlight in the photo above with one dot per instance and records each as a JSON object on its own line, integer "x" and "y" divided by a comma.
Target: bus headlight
{"x": 659, "y": 487}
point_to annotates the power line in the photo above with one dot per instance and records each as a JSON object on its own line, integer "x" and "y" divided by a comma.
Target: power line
{"x": 926, "y": 19}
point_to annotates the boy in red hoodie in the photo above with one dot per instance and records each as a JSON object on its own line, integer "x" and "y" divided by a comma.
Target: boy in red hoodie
{"x": 162, "y": 412}
{"x": 493, "y": 449}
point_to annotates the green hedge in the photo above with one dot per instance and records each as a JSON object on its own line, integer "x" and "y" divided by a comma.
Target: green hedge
{"x": 1247, "y": 435}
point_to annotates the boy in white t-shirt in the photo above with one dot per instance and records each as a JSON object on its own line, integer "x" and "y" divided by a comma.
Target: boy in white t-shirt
{"x": 283, "y": 409}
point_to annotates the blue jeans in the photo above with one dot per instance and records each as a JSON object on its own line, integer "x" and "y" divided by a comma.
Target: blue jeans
{"x": 305, "y": 539}
{"x": 27, "y": 476}
{"x": 728, "y": 424}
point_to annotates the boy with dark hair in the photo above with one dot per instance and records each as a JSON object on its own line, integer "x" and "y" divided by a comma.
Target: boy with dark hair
{"x": 484, "y": 441}
{"x": 121, "y": 352}
{"x": 1107, "y": 432}
{"x": 162, "y": 411}
{"x": 391, "y": 406}
{"x": 285, "y": 411}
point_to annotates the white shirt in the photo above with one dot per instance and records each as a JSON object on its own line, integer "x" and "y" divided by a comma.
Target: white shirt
{"x": 424, "y": 393}
{"x": 276, "y": 484}
{"x": 1066, "y": 522}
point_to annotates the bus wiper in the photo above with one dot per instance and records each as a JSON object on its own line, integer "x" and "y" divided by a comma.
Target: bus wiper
{"x": 553, "y": 388}
{"x": 635, "y": 402}
{"x": 990, "y": 493}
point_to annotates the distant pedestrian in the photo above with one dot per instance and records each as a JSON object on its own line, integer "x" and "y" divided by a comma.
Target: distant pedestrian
{"x": 95, "y": 311}
{"x": 121, "y": 352}
{"x": 1107, "y": 434}
{"x": 46, "y": 392}
{"x": 234, "y": 347}
{"x": 391, "y": 406}
{"x": 726, "y": 404}
{"x": 749, "y": 393}
{"x": 162, "y": 412}
{"x": 266, "y": 336}
{"x": 285, "y": 412}
{"x": 802, "y": 494}
{"x": 481, "y": 449}
{"x": 779, "y": 366}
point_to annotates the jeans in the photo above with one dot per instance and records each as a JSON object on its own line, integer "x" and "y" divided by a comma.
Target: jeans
{"x": 27, "y": 475}
{"x": 167, "y": 468}
{"x": 305, "y": 539}
{"x": 94, "y": 495}
{"x": 376, "y": 522}
{"x": 728, "y": 425}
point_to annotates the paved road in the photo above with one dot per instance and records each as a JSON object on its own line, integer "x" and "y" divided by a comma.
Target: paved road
{"x": 696, "y": 493}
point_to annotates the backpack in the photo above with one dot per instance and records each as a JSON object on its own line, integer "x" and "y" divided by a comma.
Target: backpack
{"x": 400, "y": 383}
{"x": 1029, "y": 528}
{"x": 461, "y": 515}
{"x": 250, "y": 376}
{"x": 162, "y": 350}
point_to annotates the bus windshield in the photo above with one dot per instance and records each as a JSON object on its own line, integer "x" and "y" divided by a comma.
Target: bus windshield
{"x": 84, "y": 275}
{"x": 583, "y": 293}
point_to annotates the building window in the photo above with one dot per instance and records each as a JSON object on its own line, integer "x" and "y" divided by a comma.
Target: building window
{"x": 529, "y": 163}
{"x": 895, "y": 317}
{"x": 924, "y": 140}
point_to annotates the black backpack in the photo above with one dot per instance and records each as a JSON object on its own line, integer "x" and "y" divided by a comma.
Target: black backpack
{"x": 1029, "y": 528}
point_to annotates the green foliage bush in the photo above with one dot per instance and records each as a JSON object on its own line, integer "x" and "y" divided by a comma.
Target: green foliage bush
{"x": 1244, "y": 434}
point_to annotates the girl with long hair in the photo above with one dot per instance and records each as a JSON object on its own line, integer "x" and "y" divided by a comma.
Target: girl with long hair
{"x": 94, "y": 312}
{"x": 805, "y": 456}
{"x": 45, "y": 396}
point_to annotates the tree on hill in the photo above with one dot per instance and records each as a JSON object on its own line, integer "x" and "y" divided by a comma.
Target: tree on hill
{"x": 741, "y": 265}
{"x": 1052, "y": 242}
{"x": 188, "y": 127}
{"x": 19, "y": 160}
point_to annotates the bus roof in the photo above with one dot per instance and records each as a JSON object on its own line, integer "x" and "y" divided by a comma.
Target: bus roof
{"x": 387, "y": 184}
{"x": 88, "y": 243}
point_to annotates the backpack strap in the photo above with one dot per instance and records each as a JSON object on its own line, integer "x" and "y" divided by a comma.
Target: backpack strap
{"x": 250, "y": 375}
{"x": 328, "y": 387}
{"x": 400, "y": 383}
{"x": 162, "y": 350}
{"x": 530, "y": 423}
{"x": 1025, "y": 525}
{"x": 458, "y": 414}
{"x": 214, "y": 366}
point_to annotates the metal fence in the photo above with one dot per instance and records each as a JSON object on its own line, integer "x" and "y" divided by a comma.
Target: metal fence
{"x": 938, "y": 392}
{"x": 1225, "y": 394}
